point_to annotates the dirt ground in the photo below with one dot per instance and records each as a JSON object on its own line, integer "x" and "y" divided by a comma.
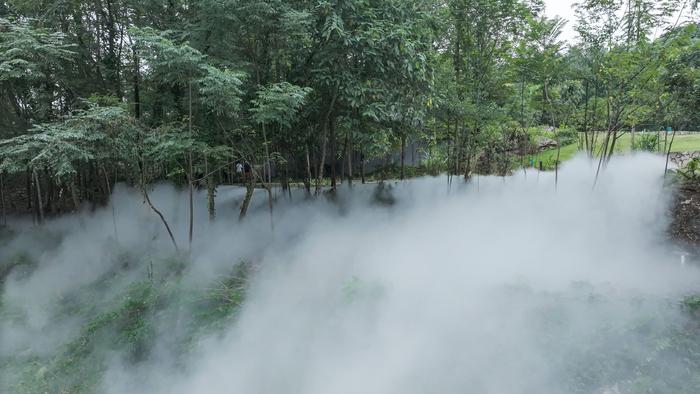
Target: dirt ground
{"x": 685, "y": 216}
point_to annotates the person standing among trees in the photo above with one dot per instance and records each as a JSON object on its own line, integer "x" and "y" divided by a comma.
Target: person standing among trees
{"x": 247, "y": 172}
{"x": 239, "y": 171}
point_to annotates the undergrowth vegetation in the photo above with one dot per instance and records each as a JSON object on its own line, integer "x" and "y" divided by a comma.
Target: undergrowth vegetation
{"x": 122, "y": 315}
{"x": 630, "y": 356}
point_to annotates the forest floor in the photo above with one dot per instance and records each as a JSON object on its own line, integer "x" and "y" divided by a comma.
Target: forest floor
{"x": 685, "y": 216}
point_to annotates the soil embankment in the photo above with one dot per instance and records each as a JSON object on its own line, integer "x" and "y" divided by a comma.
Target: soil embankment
{"x": 685, "y": 216}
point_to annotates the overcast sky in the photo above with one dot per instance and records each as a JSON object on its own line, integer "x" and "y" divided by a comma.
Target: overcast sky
{"x": 563, "y": 8}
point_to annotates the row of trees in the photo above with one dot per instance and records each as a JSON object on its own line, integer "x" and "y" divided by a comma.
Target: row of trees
{"x": 100, "y": 91}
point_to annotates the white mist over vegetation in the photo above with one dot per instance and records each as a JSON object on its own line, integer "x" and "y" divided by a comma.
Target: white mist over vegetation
{"x": 504, "y": 285}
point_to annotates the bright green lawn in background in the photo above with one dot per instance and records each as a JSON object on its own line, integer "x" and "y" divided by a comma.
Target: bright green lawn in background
{"x": 682, "y": 143}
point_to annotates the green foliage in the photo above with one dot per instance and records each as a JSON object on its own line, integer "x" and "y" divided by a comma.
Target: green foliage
{"x": 221, "y": 90}
{"x": 173, "y": 144}
{"x": 692, "y": 305}
{"x": 89, "y": 135}
{"x": 169, "y": 62}
{"x": 681, "y": 76}
{"x": 127, "y": 324}
{"x": 180, "y": 89}
{"x": 214, "y": 309}
{"x": 78, "y": 365}
{"x": 27, "y": 51}
{"x": 647, "y": 142}
{"x": 691, "y": 171}
{"x": 279, "y": 104}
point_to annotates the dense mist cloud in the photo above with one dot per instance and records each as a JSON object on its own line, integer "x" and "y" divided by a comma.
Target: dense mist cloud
{"x": 504, "y": 285}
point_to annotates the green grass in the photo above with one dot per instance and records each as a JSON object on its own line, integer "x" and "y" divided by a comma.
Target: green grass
{"x": 682, "y": 143}
{"x": 686, "y": 143}
{"x": 549, "y": 156}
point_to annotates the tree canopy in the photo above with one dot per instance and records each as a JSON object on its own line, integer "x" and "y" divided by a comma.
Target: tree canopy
{"x": 308, "y": 90}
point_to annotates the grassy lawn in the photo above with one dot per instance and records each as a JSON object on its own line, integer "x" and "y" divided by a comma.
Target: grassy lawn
{"x": 686, "y": 143}
{"x": 682, "y": 143}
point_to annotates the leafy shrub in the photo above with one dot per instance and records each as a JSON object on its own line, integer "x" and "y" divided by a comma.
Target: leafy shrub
{"x": 567, "y": 135}
{"x": 647, "y": 142}
{"x": 221, "y": 301}
{"x": 691, "y": 173}
{"x": 691, "y": 304}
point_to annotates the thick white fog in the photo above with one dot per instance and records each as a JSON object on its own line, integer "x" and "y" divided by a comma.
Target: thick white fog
{"x": 504, "y": 285}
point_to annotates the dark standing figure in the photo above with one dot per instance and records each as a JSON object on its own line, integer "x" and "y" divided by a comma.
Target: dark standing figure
{"x": 247, "y": 172}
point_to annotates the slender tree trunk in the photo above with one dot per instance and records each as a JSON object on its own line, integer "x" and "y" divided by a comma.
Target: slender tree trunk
{"x": 190, "y": 180}
{"x": 632, "y": 133}
{"x": 556, "y": 164}
{"x": 269, "y": 206}
{"x": 612, "y": 146}
{"x": 162, "y": 218}
{"x": 604, "y": 152}
{"x": 321, "y": 164}
{"x": 403, "y": 157}
{"x": 344, "y": 152}
{"x": 191, "y": 167}
{"x": 468, "y": 167}
{"x": 594, "y": 118}
{"x": 307, "y": 182}
{"x": 211, "y": 198}
{"x": 362, "y": 167}
{"x": 601, "y": 160}
{"x": 49, "y": 205}
{"x": 137, "y": 89}
{"x": 585, "y": 118}
{"x": 450, "y": 155}
{"x": 288, "y": 182}
{"x": 40, "y": 204}
{"x": 325, "y": 124}
{"x": 249, "y": 189}
{"x": 459, "y": 147}
{"x": 286, "y": 189}
{"x": 211, "y": 191}
{"x": 668, "y": 152}
{"x": 413, "y": 155}
{"x": 334, "y": 153}
{"x": 2, "y": 199}
{"x": 111, "y": 202}
{"x": 82, "y": 186}
{"x": 349, "y": 156}
{"x": 74, "y": 194}
{"x": 522, "y": 103}
{"x": 467, "y": 143}
{"x": 30, "y": 193}
{"x": 147, "y": 198}
{"x": 268, "y": 167}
